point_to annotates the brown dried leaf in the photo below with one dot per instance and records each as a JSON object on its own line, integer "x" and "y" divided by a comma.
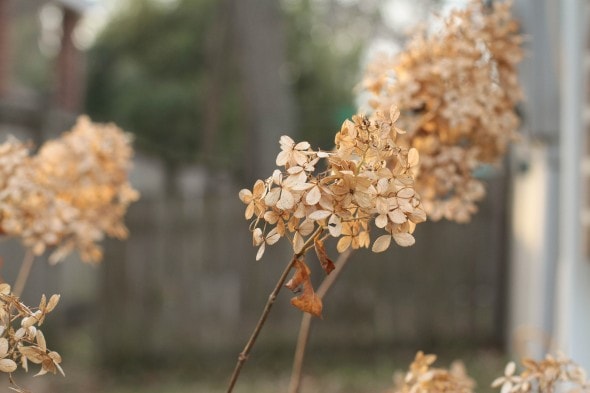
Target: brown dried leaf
{"x": 308, "y": 301}
{"x": 301, "y": 275}
{"x": 325, "y": 261}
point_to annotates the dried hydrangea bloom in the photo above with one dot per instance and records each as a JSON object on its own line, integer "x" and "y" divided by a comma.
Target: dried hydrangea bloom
{"x": 72, "y": 193}
{"x": 423, "y": 378}
{"x": 367, "y": 187}
{"x": 21, "y": 339}
{"x": 544, "y": 376}
{"x": 457, "y": 88}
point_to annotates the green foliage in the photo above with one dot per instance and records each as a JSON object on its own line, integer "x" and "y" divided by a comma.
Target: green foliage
{"x": 323, "y": 74}
{"x": 149, "y": 72}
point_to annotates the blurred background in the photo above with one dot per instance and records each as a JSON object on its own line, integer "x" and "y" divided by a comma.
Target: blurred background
{"x": 207, "y": 87}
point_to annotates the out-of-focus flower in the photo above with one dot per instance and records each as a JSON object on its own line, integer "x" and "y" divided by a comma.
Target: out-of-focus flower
{"x": 423, "y": 378}
{"x": 71, "y": 194}
{"x": 457, "y": 88}
{"x": 544, "y": 376}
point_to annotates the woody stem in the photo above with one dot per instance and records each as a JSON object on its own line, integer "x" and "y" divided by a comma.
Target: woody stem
{"x": 23, "y": 273}
{"x": 243, "y": 356}
{"x": 303, "y": 337}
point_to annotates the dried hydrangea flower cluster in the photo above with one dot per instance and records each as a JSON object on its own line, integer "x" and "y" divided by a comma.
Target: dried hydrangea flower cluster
{"x": 423, "y": 378}
{"x": 544, "y": 376}
{"x": 457, "y": 88}
{"x": 21, "y": 340}
{"x": 368, "y": 182}
{"x": 70, "y": 194}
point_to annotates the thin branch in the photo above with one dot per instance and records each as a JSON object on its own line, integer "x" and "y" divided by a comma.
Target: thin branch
{"x": 23, "y": 273}
{"x": 303, "y": 337}
{"x": 243, "y": 356}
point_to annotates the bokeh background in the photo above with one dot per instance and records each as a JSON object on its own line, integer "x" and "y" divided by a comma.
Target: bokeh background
{"x": 207, "y": 87}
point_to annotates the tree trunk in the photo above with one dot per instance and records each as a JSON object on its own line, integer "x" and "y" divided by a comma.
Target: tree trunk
{"x": 261, "y": 47}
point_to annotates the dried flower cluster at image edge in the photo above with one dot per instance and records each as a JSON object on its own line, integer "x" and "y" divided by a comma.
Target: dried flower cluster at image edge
{"x": 21, "y": 340}
{"x": 551, "y": 374}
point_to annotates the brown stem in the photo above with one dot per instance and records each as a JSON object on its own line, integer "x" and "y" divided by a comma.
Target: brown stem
{"x": 23, "y": 273}
{"x": 243, "y": 356}
{"x": 303, "y": 337}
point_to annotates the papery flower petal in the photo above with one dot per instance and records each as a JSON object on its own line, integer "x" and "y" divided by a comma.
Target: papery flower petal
{"x": 404, "y": 239}
{"x": 7, "y": 365}
{"x": 313, "y": 196}
{"x": 286, "y": 201}
{"x": 381, "y": 221}
{"x": 382, "y": 243}
{"x": 343, "y": 244}
{"x": 335, "y": 226}
{"x": 319, "y": 215}
{"x": 260, "y": 251}
{"x": 397, "y": 216}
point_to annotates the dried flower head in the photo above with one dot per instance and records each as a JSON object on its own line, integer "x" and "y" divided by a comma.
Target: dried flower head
{"x": 423, "y": 378}
{"x": 21, "y": 339}
{"x": 71, "y": 193}
{"x": 368, "y": 184}
{"x": 457, "y": 89}
{"x": 544, "y": 376}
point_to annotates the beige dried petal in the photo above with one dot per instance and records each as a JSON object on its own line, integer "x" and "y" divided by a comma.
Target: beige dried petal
{"x": 343, "y": 244}
{"x": 298, "y": 243}
{"x": 53, "y": 300}
{"x": 418, "y": 216}
{"x": 20, "y": 333}
{"x": 413, "y": 157}
{"x": 7, "y": 365}
{"x": 397, "y": 216}
{"x": 40, "y": 338}
{"x": 249, "y": 213}
{"x": 510, "y": 369}
{"x": 404, "y": 239}
{"x": 335, "y": 226}
{"x": 381, "y": 221}
{"x": 273, "y": 196}
{"x": 3, "y": 347}
{"x": 313, "y": 196}
{"x": 286, "y": 201}
{"x": 405, "y": 193}
{"x": 29, "y": 321}
{"x": 4, "y": 289}
{"x": 382, "y": 243}
{"x": 272, "y": 237}
{"x": 260, "y": 252}
{"x": 498, "y": 382}
{"x": 306, "y": 227}
{"x": 319, "y": 215}
{"x": 33, "y": 354}
{"x": 245, "y": 195}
